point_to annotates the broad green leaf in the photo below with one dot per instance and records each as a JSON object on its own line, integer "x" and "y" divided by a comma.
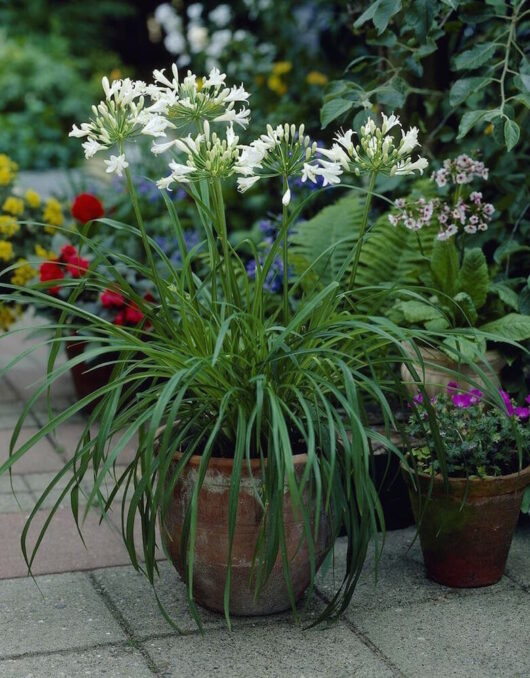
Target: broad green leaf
{"x": 419, "y": 312}
{"x": 333, "y": 109}
{"x": 444, "y": 267}
{"x": 524, "y": 301}
{"x": 506, "y": 249}
{"x": 473, "y": 278}
{"x": 506, "y": 294}
{"x": 467, "y": 349}
{"x": 514, "y": 326}
{"x": 525, "y": 506}
{"x": 475, "y": 57}
{"x": 511, "y": 134}
{"x": 464, "y": 88}
{"x": 465, "y": 310}
{"x": 471, "y": 118}
{"x": 380, "y": 12}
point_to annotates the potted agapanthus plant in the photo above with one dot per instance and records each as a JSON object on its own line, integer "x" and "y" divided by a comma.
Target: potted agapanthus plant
{"x": 472, "y": 459}
{"x": 254, "y": 447}
{"x": 464, "y": 291}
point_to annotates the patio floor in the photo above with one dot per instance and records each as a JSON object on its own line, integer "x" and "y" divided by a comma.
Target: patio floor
{"x": 88, "y": 613}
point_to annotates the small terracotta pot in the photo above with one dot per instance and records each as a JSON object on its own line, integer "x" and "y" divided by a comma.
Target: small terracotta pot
{"x": 87, "y": 378}
{"x": 466, "y": 543}
{"x": 211, "y": 545}
{"x": 436, "y": 379}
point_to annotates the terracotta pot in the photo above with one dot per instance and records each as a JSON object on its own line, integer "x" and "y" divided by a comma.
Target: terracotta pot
{"x": 87, "y": 378}
{"x": 211, "y": 546}
{"x": 436, "y": 379}
{"x": 466, "y": 543}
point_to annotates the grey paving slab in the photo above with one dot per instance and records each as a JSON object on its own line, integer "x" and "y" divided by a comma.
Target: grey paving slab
{"x": 401, "y": 578}
{"x": 41, "y": 458}
{"x": 116, "y": 661}
{"x": 10, "y": 483}
{"x": 63, "y": 613}
{"x": 69, "y": 435}
{"x": 482, "y": 636}
{"x": 275, "y": 650}
{"x": 14, "y": 503}
{"x": 7, "y": 394}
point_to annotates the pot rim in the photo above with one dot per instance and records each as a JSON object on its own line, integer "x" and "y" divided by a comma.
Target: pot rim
{"x": 223, "y": 463}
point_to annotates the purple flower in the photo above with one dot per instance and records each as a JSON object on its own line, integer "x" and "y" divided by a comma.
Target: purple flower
{"x": 463, "y": 400}
{"x": 507, "y": 403}
{"x": 475, "y": 394}
{"x": 452, "y": 387}
{"x": 522, "y": 413}
{"x": 418, "y": 399}
{"x": 527, "y": 399}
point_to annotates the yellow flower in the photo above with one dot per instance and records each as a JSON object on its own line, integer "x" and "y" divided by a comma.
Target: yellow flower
{"x": 200, "y": 82}
{"x": 52, "y": 215}
{"x": 6, "y": 250}
{"x": 8, "y": 315}
{"x": 8, "y": 225}
{"x": 489, "y": 129}
{"x": 277, "y": 85}
{"x": 43, "y": 253}
{"x": 281, "y": 67}
{"x": 316, "y": 78}
{"x": 32, "y": 198}
{"x": 8, "y": 169}
{"x": 23, "y": 273}
{"x": 115, "y": 74}
{"x": 13, "y": 205}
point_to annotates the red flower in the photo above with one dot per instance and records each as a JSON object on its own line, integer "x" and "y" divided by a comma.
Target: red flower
{"x": 120, "y": 318}
{"x": 133, "y": 315}
{"x": 87, "y": 207}
{"x": 77, "y": 266}
{"x": 67, "y": 252}
{"x": 112, "y": 299}
{"x": 49, "y": 270}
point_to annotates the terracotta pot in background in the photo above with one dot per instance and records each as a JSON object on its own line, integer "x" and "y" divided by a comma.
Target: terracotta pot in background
{"x": 211, "y": 546}
{"x": 87, "y": 378}
{"x": 466, "y": 543}
{"x": 436, "y": 380}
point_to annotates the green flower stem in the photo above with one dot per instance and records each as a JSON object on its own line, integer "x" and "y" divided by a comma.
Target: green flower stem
{"x": 364, "y": 222}
{"x": 230, "y": 283}
{"x": 285, "y": 255}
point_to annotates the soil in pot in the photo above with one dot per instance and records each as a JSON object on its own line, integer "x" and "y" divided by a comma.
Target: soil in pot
{"x": 211, "y": 546}
{"x": 466, "y": 532}
{"x": 436, "y": 379}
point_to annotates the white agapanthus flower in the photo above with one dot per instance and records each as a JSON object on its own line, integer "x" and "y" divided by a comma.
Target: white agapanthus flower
{"x": 221, "y": 15}
{"x": 118, "y": 118}
{"x": 282, "y": 152}
{"x": 376, "y": 150}
{"x": 116, "y": 164}
{"x": 190, "y": 102}
{"x": 206, "y": 156}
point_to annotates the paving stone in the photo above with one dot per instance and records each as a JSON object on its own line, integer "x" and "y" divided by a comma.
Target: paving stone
{"x": 61, "y": 549}
{"x": 59, "y": 612}
{"x": 482, "y": 636}
{"x": 41, "y": 458}
{"x": 14, "y": 483}
{"x": 133, "y": 596}
{"x": 115, "y": 661}
{"x": 68, "y": 436}
{"x": 14, "y": 503}
{"x": 268, "y": 650}
{"x": 7, "y": 393}
{"x": 518, "y": 565}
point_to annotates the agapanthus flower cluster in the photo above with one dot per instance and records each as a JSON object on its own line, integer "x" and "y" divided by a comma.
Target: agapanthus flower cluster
{"x": 193, "y": 101}
{"x": 469, "y": 216}
{"x": 207, "y": 155}
{"x": 284, "y": 151}
{"x": 117, "y": 119}
{"x": 460, "y": 170}
{"x": 376, "y": 150}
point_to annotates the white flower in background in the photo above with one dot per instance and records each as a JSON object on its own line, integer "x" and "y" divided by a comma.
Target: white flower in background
{"x": 116, "y": 164}
{"x": 194, "y": 11}
{"x": 164, "y": 13}
{"x": 220, "y": 16}
{"x": 119, "y": 117}
{"x": 197, "y": 37}
{"x": 206, "y": 156}
{"x": 376, "y": 150}
{"x": 283, "y": 152}
{"x": 187, "y": 103}
{"x": 174, "y": 42}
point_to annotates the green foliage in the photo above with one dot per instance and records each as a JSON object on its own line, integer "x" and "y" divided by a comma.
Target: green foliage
{"x": 478, "y": 439}
{"x": 444, "y": 267}
{"x": 513, "y": 326}
{"x": 473, "y": 277}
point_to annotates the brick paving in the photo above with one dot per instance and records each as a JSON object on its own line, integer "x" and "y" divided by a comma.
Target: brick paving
{"x": 87, "y": 612}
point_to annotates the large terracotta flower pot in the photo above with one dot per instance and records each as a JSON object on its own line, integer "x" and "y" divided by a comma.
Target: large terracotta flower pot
{"x": 436, "y": 379}
{"x": 466, "y": 533}
{"x": 211, "y": 545}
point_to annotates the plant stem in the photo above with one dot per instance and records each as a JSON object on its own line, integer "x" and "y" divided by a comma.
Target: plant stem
{"x": 285, "y": 256}
{"x": 364, "y": 222}
{"x": 229, "y": 283}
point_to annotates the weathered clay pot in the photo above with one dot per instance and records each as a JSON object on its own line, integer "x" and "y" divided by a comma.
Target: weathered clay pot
{"x": 211, "y": 546}
{"x": 466, "y": 543}
{"x": 87, "y": 378}
{"x": 436, "y": 379}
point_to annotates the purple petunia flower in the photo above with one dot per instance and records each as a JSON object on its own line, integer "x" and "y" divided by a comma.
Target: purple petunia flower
{"x": 418, "y": 399}
{"x": 507, "y": 402}
{"x": 476, "y": 395}
{"x": 463, "y": 400}
{"x": 452, "y": 386}
{"x": 522, "y": 413}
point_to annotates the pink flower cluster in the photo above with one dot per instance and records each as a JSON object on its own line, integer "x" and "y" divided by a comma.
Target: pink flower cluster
{"x": 470, "y": 216}
{"x": 460, "y": 170}
{"x": 463, "y": 400}
{"x": 521, "y": 412}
